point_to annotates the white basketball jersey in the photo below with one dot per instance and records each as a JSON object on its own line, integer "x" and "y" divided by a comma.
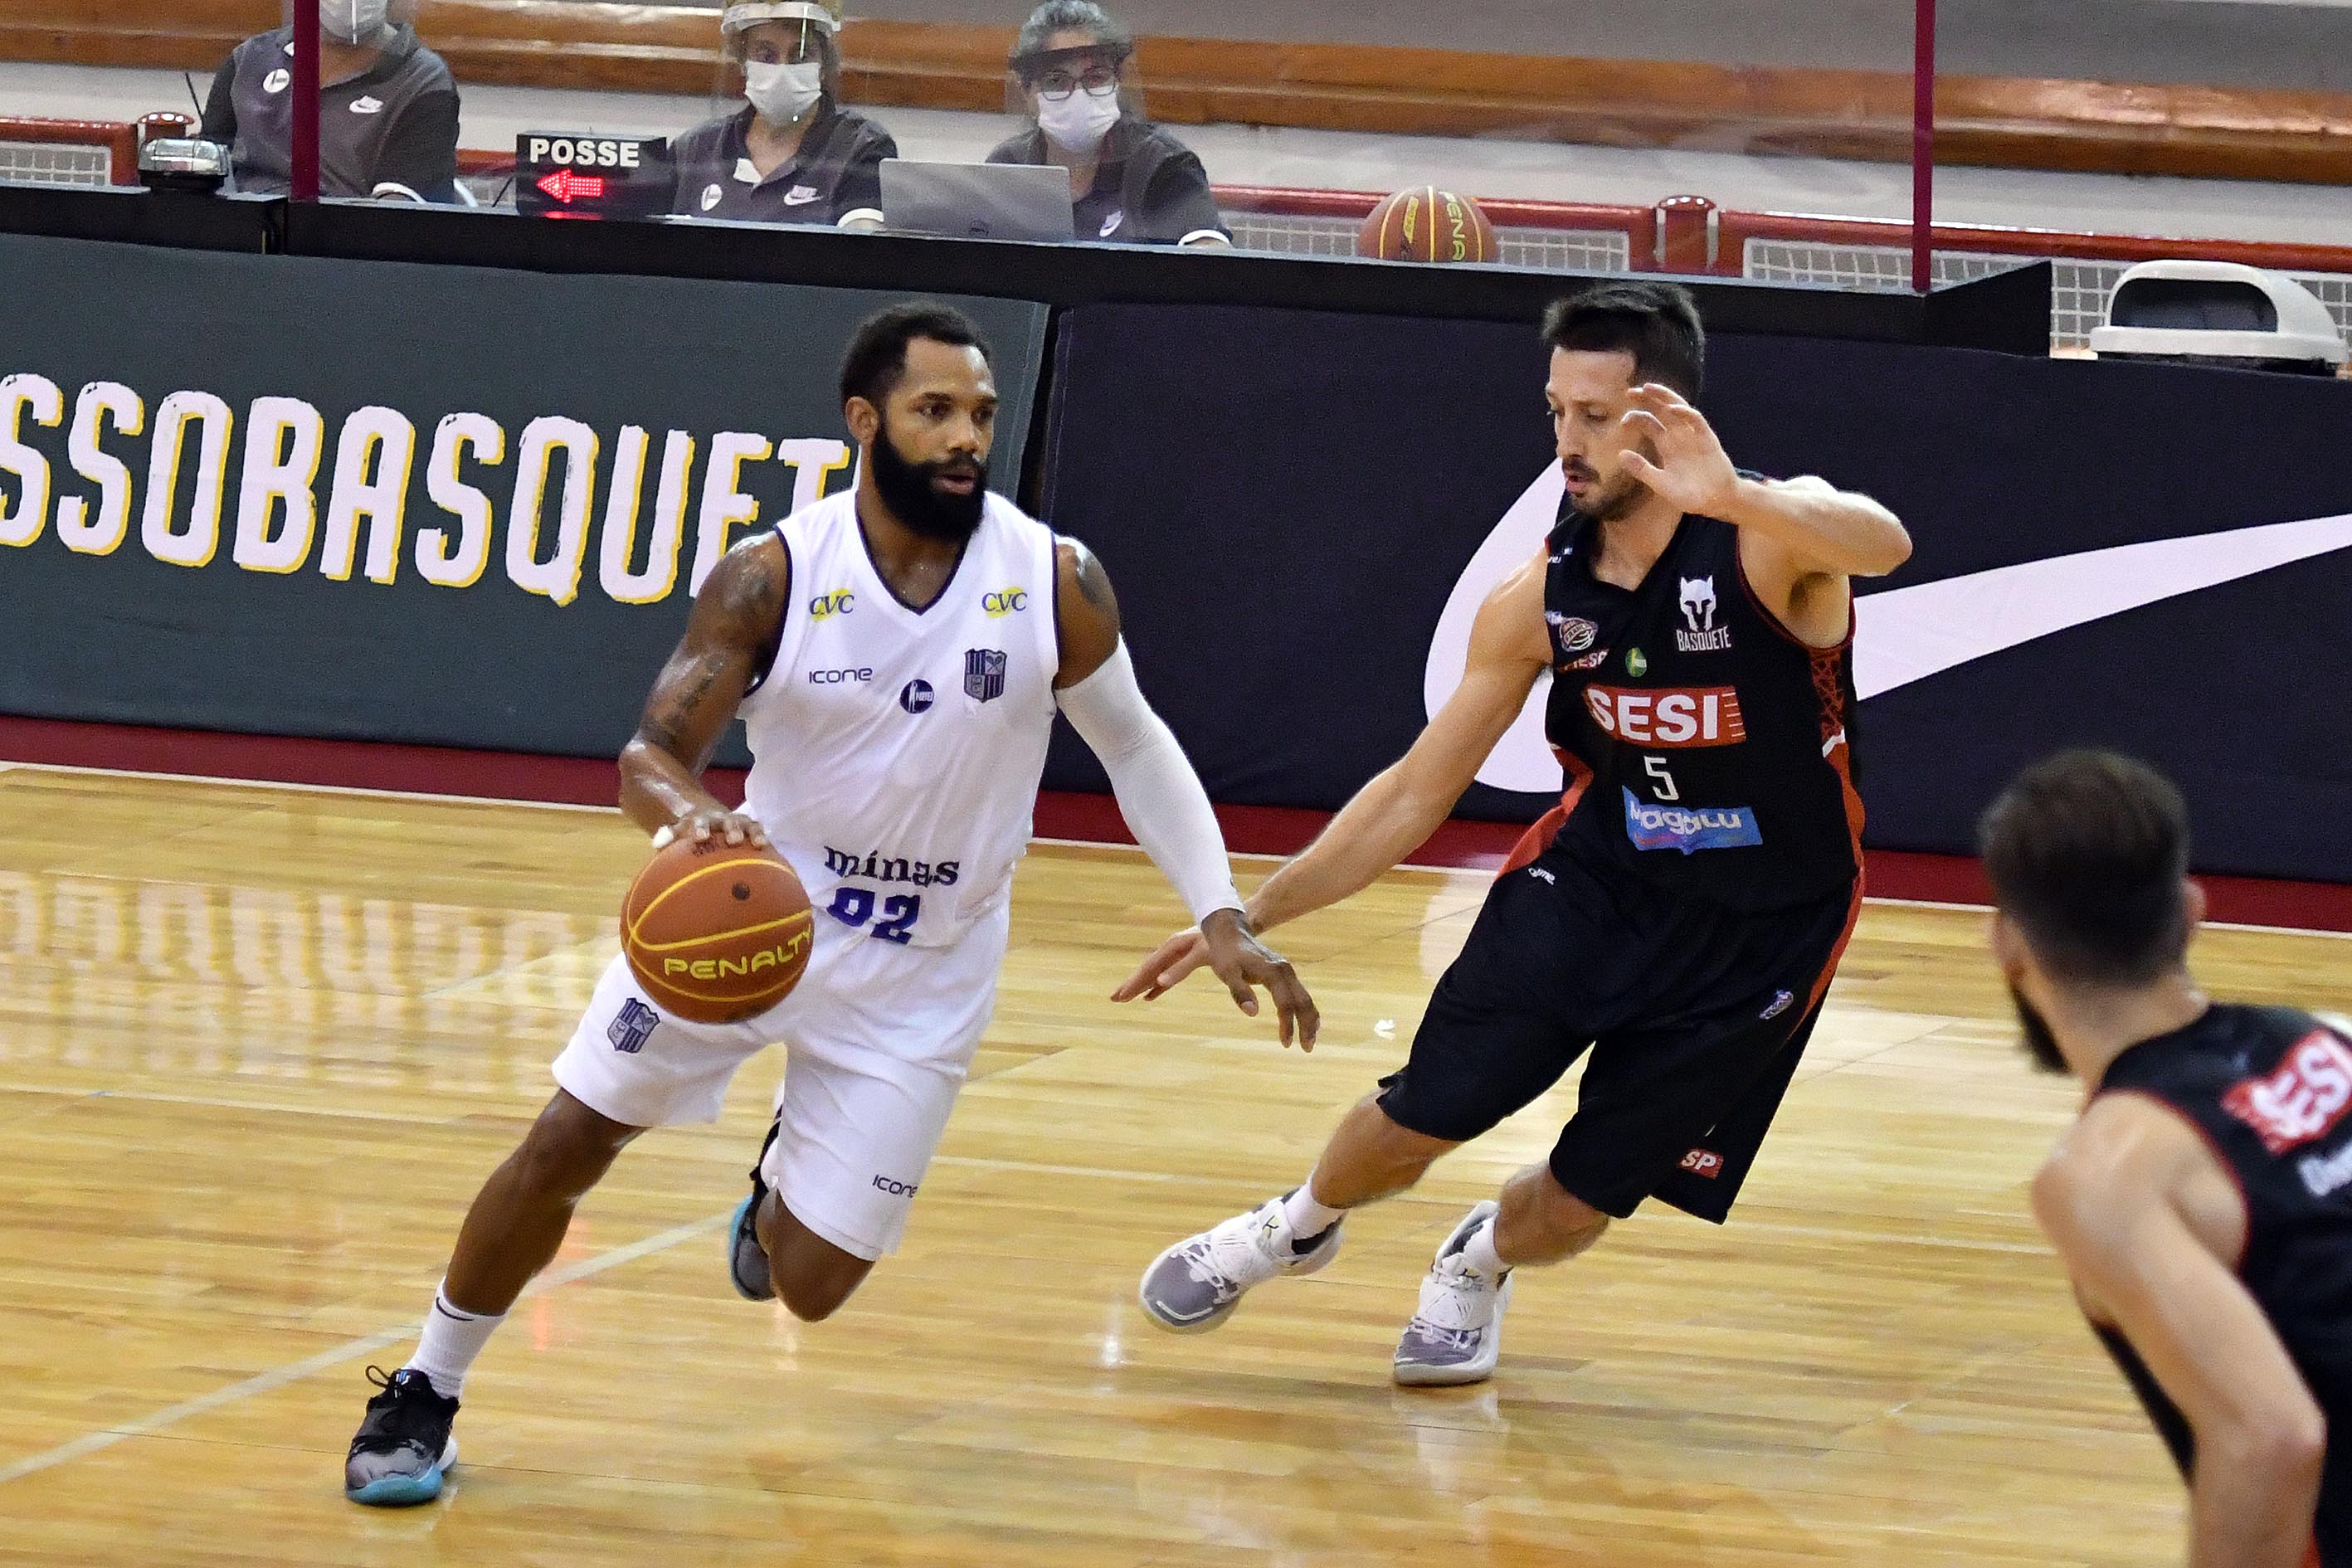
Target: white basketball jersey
{"x": 896, "y": 753}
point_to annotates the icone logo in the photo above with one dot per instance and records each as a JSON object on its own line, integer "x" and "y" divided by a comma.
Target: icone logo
{"x": 1672, "y": 717}
{"x": 2302, "y": 1100}
{"x": 824, "y": 606}
{"x": 1006, "y": 601}
{"x": 897, "y": 1189}
{"x": 840, "y": 677}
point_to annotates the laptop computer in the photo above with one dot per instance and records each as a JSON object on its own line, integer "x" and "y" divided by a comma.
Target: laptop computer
{"x": 978, "y": 201}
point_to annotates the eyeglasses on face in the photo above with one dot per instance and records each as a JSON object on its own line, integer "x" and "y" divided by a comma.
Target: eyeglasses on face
{"x": 1099, "y": 80}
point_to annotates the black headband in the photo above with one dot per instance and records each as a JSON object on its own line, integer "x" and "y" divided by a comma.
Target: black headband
{"x": 1037, "y": 62}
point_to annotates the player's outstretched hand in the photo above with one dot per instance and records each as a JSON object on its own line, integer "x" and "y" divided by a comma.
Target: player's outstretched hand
{"x": 1692, "y": 470}
{"x": 729, "y": 828}
{"x": 1169, "y": 962}
{"x": 1225, "y": 944}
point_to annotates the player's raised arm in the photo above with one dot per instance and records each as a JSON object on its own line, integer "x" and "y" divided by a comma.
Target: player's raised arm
{"x": 1819, "y": 529}
{"x": 727, "y": 638}
{"x": 1392, "y": 815}
{"x": 1159, "y": 792}
{"x": 2113, "y": 1201}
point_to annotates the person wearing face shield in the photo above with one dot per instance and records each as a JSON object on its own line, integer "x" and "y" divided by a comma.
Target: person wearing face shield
{"x": 387, "y": 107}
{"x": 792, "y": 153}
{"x": 1073, "y": 75}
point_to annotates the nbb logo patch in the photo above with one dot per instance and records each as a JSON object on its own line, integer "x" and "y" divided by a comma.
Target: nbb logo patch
{"x": 1672, "y": 717}
{"x": 2302, "y": 1100}
{"x": 1689, "y": 829}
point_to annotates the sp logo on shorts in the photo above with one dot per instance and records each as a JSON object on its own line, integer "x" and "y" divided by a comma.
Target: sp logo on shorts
{"x": 897, "y": 1189}
{"x": 630, "y": 1031}
{"x": 1704, "y": 1162}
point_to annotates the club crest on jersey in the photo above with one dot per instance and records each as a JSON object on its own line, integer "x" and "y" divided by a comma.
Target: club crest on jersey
{"x": 1698, "y": 632}
{"x": 1689, "y": 829}
{"x": 2302, "y": 1099}
{"x": 1574, "y": 632}
{"x": 983, "y": 674}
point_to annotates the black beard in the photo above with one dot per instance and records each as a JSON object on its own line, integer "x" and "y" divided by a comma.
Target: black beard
{"x": 907, "y": 490}
{"x": 2035, "y": 1032}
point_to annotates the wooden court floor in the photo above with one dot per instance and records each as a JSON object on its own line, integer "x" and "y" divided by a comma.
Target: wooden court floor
{"x": 258, "y": 1046}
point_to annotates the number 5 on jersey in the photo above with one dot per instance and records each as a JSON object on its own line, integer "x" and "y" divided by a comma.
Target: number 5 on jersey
{"x": 853, "y": 906}
{"x": 1656, "y": 768}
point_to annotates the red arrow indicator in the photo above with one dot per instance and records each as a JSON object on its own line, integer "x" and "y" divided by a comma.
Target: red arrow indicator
{"x": 564, "y": 185}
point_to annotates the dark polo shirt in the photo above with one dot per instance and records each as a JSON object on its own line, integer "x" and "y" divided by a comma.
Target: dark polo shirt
{"x": 395, "y": 122}
{"x": 837, "y": 170}
{"x": 1150, "y": 188}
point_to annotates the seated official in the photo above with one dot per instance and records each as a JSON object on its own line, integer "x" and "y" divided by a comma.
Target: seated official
{"x": 387, "y": 107}
{"x": 1072, "y": 73}
{"x": 792, "y": 153}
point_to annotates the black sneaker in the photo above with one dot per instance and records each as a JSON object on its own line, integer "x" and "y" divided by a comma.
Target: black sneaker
{"x": 404, "y": 1447}
{"x": 747, "y": 1261}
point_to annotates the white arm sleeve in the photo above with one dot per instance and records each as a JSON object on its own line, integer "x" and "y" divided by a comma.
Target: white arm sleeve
{"x": 1159, "y": 792}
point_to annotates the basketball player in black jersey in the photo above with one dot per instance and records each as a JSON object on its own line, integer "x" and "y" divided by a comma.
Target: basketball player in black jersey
{"x": 2203, "y": 1202}
{"x": 1679, "y": 915}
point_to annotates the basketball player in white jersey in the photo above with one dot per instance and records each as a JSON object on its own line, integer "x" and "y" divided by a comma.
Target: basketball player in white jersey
{"x": 897, "y": 653}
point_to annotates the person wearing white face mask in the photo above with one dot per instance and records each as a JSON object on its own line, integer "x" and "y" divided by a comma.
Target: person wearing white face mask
{"x": 387, "y": 107}
{"x": 791, "y": 153}
{"x": 1133, "y": 183}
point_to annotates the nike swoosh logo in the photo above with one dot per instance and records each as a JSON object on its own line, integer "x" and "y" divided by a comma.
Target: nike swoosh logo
{"x": 1902, "y": 635}
{"x": 1909, "y": 634}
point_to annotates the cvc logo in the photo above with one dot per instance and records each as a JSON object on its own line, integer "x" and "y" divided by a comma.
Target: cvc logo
{"x": 1006, "y": 601}
{"x": 824, "y": 606}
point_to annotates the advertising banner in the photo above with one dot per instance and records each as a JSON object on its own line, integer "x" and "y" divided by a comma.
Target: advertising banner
{"x": 394, "y": 502}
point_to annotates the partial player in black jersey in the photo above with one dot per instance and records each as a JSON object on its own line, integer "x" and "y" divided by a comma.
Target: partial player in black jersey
{"x": 1679, "y": 915}
{"x": 2203, "y": 1202}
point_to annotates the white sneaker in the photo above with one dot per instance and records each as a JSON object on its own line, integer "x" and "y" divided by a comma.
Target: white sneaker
{"x": 1196, "y": 1284}
{"x": 1456, "y": 1335}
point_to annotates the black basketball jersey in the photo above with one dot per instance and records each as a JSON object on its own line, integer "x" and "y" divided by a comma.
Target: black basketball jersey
{"x": 2271, "y": 1089}
{"x": 1709, "y": 750}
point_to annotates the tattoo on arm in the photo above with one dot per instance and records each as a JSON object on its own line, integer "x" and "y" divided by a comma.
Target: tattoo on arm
{"x": 1094, "y": 583}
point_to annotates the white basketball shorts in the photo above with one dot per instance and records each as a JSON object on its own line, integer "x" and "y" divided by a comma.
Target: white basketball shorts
{"x": 878, "y": 1039}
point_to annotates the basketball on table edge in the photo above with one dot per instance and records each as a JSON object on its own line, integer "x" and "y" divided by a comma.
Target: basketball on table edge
{"x": 1427, "y": 224}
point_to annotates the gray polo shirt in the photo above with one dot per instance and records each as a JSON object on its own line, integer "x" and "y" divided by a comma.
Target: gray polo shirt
{"x": 837, "y": 170}
{"x": 395, "y": 122}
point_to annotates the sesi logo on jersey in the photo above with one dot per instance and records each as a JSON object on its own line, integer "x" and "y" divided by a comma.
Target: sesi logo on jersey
{"x": 2302, "y": 1100}
{"x": 1669, "y": 717}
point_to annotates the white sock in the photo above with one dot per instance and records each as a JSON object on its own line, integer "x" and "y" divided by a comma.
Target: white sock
{"x": 451, "y": 1340}
{"x": 1479, "y": 1253}
{"x": 1308, "y": 1217}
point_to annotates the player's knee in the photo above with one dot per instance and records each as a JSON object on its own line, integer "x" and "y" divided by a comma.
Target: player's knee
{"x": 568, "y": 1149}
{"x": 1404, "y": 1155}
{"x": 1548, "y": 1224}
{"x": 814, "y": 1294}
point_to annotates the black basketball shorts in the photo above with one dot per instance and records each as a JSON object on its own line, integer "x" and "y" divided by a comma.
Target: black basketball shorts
{"x": 1695, "y": 1016}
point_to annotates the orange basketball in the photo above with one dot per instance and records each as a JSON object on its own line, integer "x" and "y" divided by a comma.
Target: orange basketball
{"x": 1425, "y": 224}
{"x": 716, "y": 932}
